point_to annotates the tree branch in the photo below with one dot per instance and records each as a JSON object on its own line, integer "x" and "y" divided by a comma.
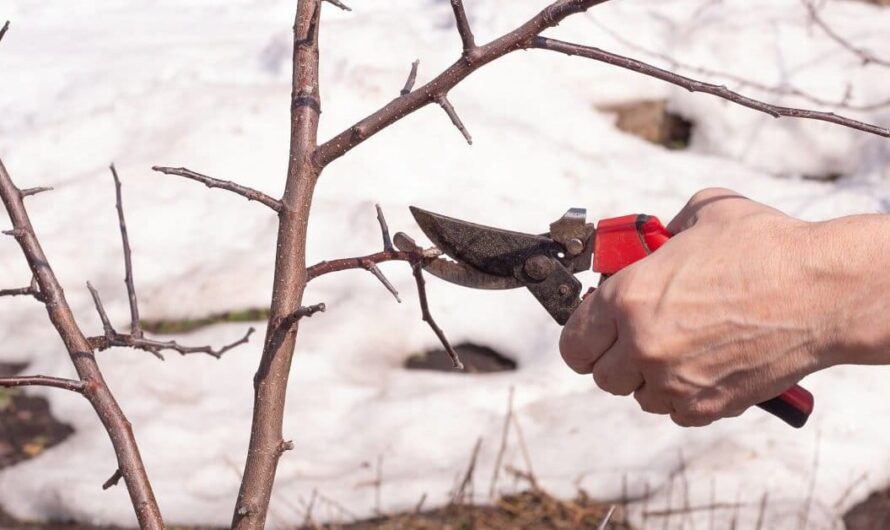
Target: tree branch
{"x": 864, "y": 55}
{"x": 431, "y": 92}
{"x": 135, "y": 329}
{"x": 112, "y": 338}
{"x": 248, "y": 193}
{"x": 463, "y": 27}
{"x": 42, "y": 380}
{"x": 778, "y": 90}
{"x": 31, "y": 290}
{"x": 79, "y": 348}
{"x": 693, "y": 85}
{"x": 428, "y": 317}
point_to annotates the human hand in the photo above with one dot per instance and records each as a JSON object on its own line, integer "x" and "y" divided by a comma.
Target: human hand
{"x": 729, "y": 313}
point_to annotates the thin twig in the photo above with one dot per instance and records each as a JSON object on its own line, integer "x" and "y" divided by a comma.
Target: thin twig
{"x": 412, "y": 78}
{"x": 112, "y": 480}
{"x": 463, "y": 26}
{"x": 417, "y": 266}
{"x": 608, "y": 517}
{"x": 43, "y": 380}
{"x": 339, "y": 4}
{"x": 505, "y": 434}
{"x": 114, "y": 339}
{"x": 248, "y": 193}
{"x": 864, "y": 55}
{"x": 455, "y": 119}
{"x": 3, "y": 30}
{"x": 693, "y": 85}
{"x": 135, "y": 329}
{"x": 781, "y": 90}
{"x": 31, "y": 290}
{"x": 776, "y": 111}
{"x": 384, "y": 229}
{"x": 460, "y": 494}
{"x": 288, "y": 322}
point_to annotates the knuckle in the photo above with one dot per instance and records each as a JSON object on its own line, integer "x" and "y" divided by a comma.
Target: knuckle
{"x": 708, "y": 194}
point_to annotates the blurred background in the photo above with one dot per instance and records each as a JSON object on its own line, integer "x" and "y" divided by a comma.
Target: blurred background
{"x": 379, "y": 428}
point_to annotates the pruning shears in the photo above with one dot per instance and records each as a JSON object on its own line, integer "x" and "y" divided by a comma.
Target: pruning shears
{"x": 492, "y": 258}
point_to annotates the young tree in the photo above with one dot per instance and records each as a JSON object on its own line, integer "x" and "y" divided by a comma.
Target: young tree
{"x": 308, "y": 159}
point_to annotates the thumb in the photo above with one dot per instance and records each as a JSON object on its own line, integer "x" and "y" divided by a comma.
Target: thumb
{"x": 588, "y": 334}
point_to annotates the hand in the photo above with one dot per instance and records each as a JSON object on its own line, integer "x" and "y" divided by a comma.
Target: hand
{"x": 738, "y": 306}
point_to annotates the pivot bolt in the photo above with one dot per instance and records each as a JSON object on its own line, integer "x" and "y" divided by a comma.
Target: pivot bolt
{"x": 575, "y": 246}
{"x": 538, "y": 267}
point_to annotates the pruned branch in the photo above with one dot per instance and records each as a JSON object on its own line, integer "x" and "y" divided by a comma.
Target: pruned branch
{"x": 42, "y": 380}
{"x": 112, "y": 338}
{"x": 135, "y": 329}
{"x": 412, "y": 78}
{"x": 248, "y": 193}
{"x": 287, "y": 323}
{"x": 455, "y": 119}
{"x": 463, "y": 27}
{"x": 866, "y": 56}
{"x": 693, "y": 85}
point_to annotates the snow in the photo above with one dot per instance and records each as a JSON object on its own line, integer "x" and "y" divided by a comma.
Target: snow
{"x": 204, "y": 85}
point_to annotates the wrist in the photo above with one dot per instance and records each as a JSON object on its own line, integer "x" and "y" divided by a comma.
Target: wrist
{"x": 848, "y": 271}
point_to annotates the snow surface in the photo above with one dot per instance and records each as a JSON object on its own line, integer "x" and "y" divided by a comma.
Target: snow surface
{"x": 206, "y": 85}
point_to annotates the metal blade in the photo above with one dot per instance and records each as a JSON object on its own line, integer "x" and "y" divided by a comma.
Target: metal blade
{"x": 467, "y": 276}
{"x": 490, "y": 250}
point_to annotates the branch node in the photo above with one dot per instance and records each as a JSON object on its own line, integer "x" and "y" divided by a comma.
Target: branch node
{"x": 455, "y": 119}
{"x": 15, "y": 232}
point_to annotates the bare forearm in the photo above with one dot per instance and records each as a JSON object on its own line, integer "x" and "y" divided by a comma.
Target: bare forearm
{"x": 855, "y": 274}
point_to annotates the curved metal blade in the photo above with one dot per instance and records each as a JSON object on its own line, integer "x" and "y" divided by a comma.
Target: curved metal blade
{"x": 467, "y": 276}
{"x": 490, "y": 250}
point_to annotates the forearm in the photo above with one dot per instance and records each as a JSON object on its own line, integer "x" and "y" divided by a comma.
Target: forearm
{"x": 854, "y": 274}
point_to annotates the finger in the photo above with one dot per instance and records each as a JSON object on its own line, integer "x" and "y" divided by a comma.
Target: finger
{"x": 700, "y": 205}
{"x": 615, "y": 374}
{"x": 651, "y": 402}
{"x": 588, "y": 334}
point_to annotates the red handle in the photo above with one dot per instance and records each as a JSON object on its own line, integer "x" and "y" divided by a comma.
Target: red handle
{"x": 624, "y": 240}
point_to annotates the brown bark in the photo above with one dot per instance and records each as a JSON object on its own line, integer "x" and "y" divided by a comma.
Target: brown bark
{"x": 95, "y": 389}
{"x": 270, "y": 381}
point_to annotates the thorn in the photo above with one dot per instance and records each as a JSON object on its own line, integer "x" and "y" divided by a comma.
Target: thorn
{"x": 455, "y": 119}
{"x": 339, "y": 4}
{"x": 34, "y": 191}
{"x": 375, "y": 270}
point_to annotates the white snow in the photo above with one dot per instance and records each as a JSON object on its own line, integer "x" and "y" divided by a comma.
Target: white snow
{"x": 206, "y": 85}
